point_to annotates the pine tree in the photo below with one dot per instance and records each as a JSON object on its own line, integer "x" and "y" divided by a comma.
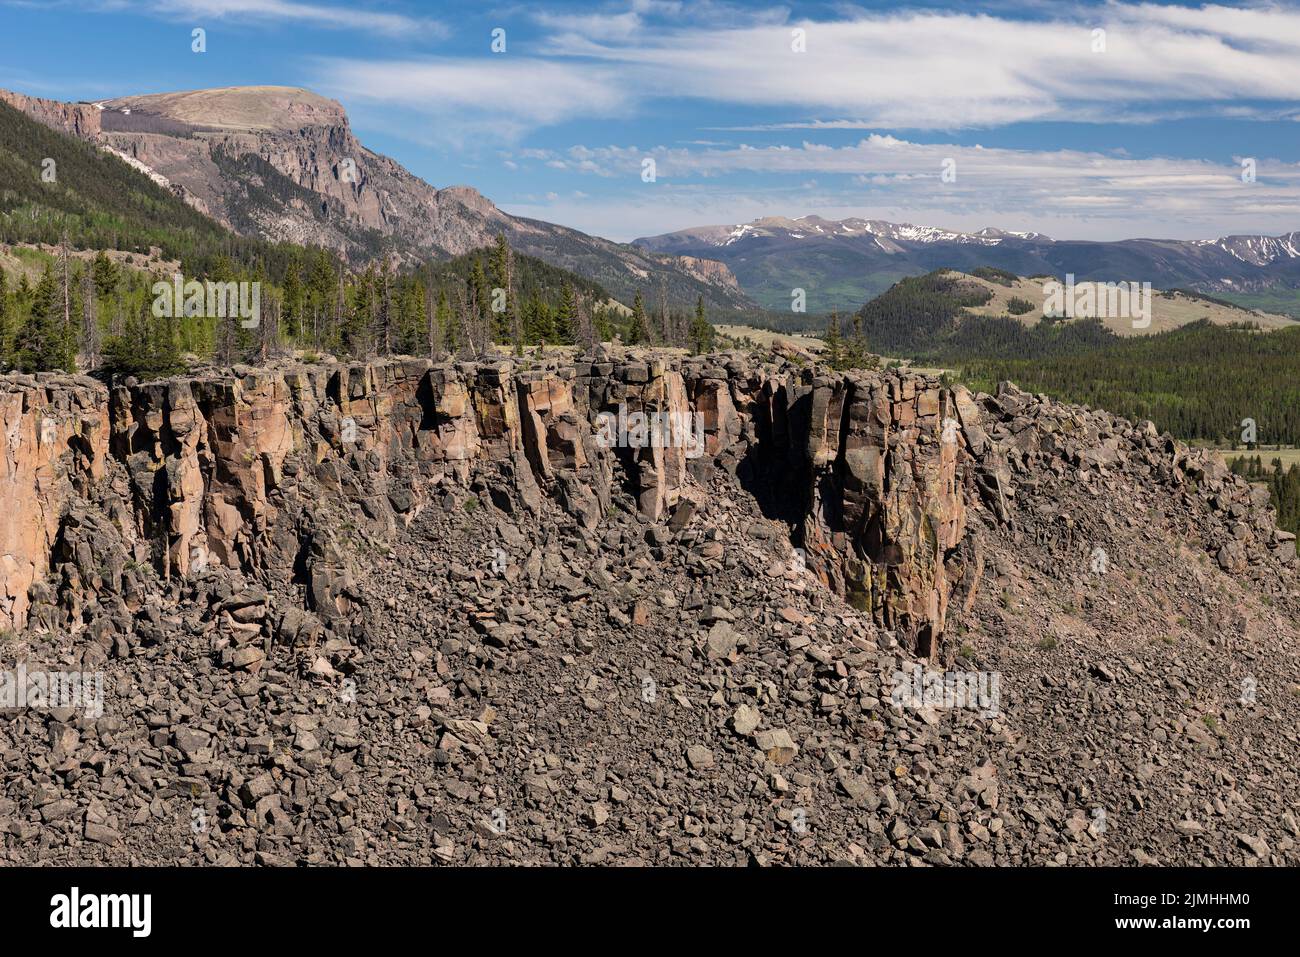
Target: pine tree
{"x": 638, "y": 330}
{"x": 506, "y": 322}
{"x": 856, "y": 355}
{"x": 480, "y": 306}
{"x": 413, "y": 331}
{"x": 664, "y": 330}
{"x": 67, "y": 330}
{"x": 701, "y": 334}
{"x": 163, "y": 352}
{"x": 43, "y": 343}
{"x": 566, "y": 319}
{"x": 147, "y": 347}
{"x": 448, "y": 324}
{"x": 539, "y": 323}
{"x": 324, "y": 300}
{"x": 834, "y": 354}
{"x": 294, "y": 296}
{"x": 90, "y": 338}
{"x": 107, "y": 275}
{"x": 6, "y": 326}
{"x": 383, "y": 337}
{"x": 226, "y": 331}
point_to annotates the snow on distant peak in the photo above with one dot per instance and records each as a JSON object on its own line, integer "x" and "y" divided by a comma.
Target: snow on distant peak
{"x": 737, "y": 233}
{"x": 812, "y": 225}
{"x": 1259, "y": 250}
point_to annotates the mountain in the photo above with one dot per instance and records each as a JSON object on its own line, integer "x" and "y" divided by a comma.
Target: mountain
{"x": 283, "y": 164}
{"x": 57, "y": 184}
{"x": 842, "y": 263}
{"x": 928, "y": 314}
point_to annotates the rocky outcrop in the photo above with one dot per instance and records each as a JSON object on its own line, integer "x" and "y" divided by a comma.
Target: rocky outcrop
{"x": 281, "y": 473}
{"x": 76, "y": 119}
{"x": 346, "y": 603}
{"x": 55, "y": 444}
{"x": 230, "y": 470}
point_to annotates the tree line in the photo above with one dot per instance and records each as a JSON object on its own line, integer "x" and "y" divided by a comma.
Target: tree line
{"x": 97, "y": 314}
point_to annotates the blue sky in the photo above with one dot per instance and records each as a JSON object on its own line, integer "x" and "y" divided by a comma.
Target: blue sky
{"x": 1051, "y": 126}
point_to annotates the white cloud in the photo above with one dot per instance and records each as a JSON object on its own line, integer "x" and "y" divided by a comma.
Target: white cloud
{"x": 913, "y": 70}
{"x": 343, "y": 16}
{"x": 495, "y": 97}
{"x": 1081, "y": 194}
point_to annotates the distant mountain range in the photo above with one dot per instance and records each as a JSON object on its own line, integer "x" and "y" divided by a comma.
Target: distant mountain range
{"x": 283, "y": 164}
{"x": 843, "y": 263}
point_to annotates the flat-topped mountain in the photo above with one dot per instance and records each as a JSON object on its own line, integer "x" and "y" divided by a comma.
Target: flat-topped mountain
{"x": 240, "y": 108}
{"x": 282, "y": 163}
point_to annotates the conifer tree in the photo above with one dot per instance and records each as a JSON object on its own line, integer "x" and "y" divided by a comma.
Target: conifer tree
{"x": 448, "y": 324}
{"x": 294, "y": 295}
{"x": 383, "y": 337}
{"x": 324, "y": 301}
{"x": 480, "y": 305}
{"x": 566, "y": 320}
{"x": 107, "y": 275}
{"x": 6, "y": 325}
{"x": 834, "y": 353}
{"x": 701, "y": 334}
{"x": 90, "y": 338}
{"x": 505, "y": 323}
{"x": 638, "y": 330}
{"x": 44, "y": 342}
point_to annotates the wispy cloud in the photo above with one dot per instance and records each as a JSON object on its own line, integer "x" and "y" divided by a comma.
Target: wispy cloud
{"x": 347, "y": 15}
{"x": 913, "y": 70}
{"x": 500, "y": 99}
{"x": 1082, "y": 194}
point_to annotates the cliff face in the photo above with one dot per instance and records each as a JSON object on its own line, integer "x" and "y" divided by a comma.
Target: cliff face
{"x": 878, "y": 476}
{"x": 344, "y": 603}
{"x": 235, "y": 470}
{"x": 56, "y": 442}
{"x": 75, "y": 119}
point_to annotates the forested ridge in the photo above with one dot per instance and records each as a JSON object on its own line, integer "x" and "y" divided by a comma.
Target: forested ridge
{"x": 99, "y": 315}
{"x": 1202, "y": 382}
{"x": 56, "y": 188}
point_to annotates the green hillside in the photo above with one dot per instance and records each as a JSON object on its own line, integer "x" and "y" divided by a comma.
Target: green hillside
{"x": 99, "y": 202}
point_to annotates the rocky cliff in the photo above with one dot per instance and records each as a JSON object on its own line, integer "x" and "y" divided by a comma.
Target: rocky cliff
{"x": 874, "y": 473}
{"x": 229, "y": 469}
{"x": 76, "y": 119}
